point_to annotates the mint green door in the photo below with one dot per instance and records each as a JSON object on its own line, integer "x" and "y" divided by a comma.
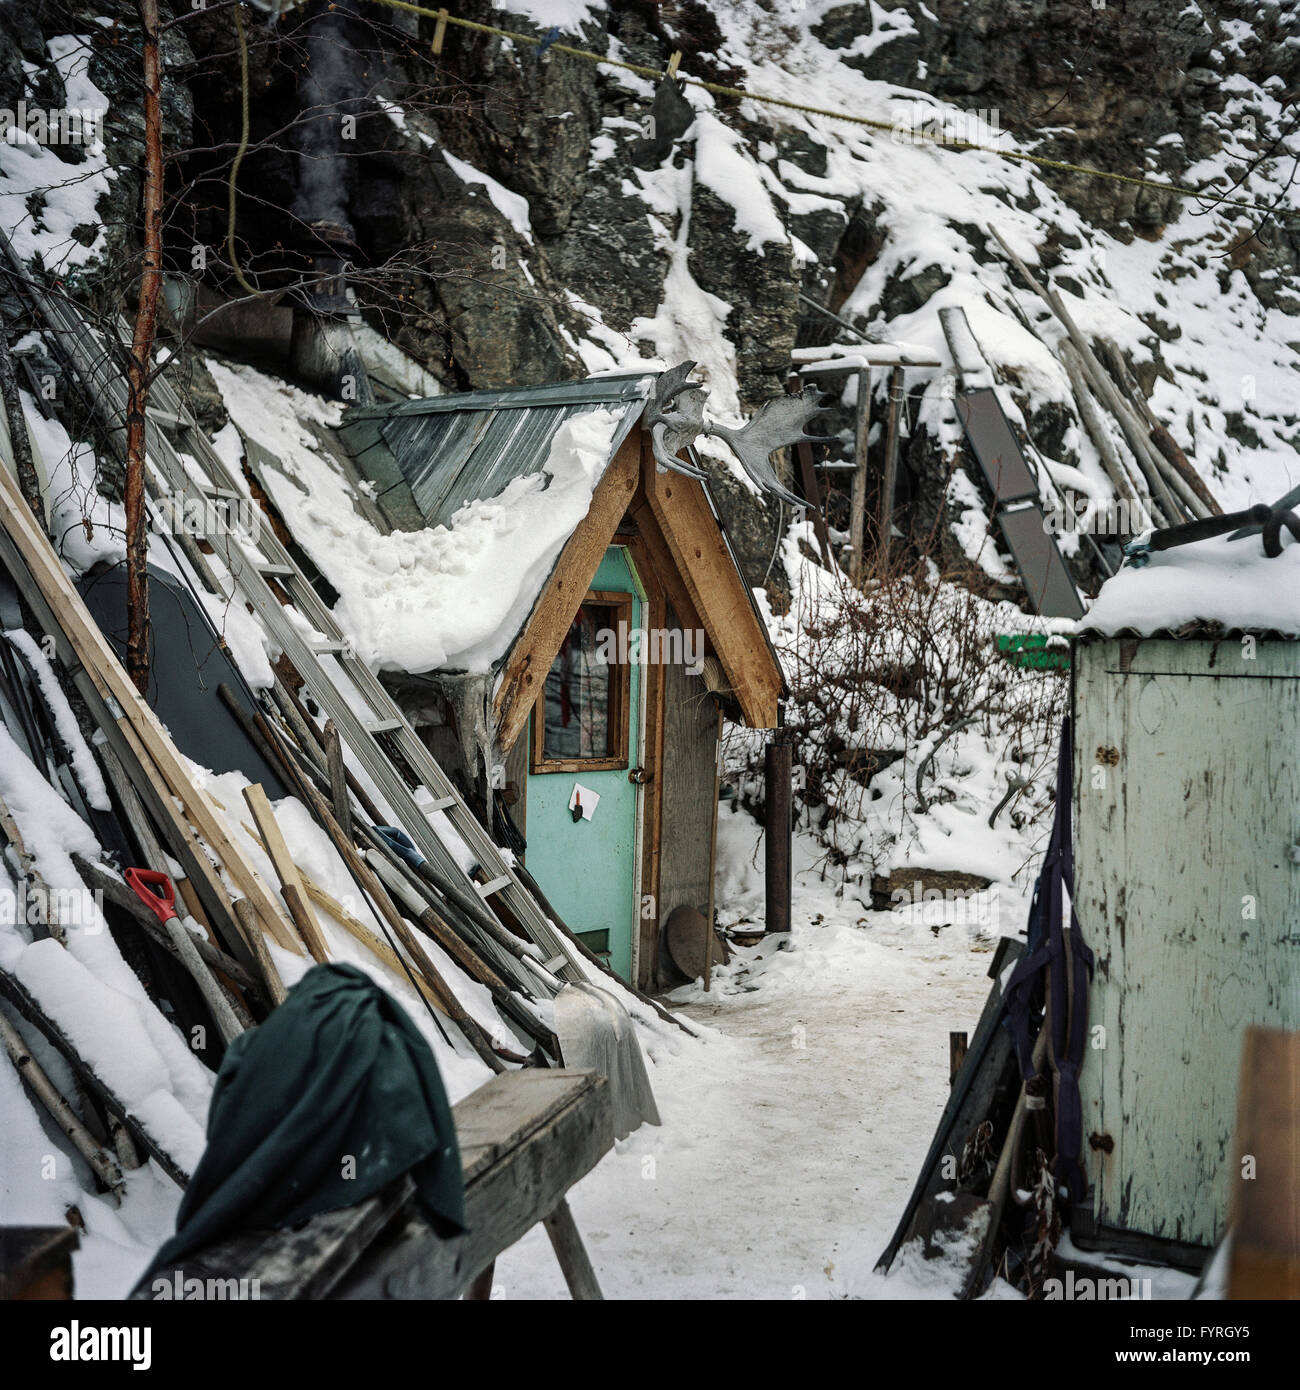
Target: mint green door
{"x": 584, "y": 738}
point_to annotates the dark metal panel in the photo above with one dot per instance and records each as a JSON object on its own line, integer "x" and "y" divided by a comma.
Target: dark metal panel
{"x": 995, "y": 445}
{"x": 188, "y": 666}
{"x": 1047, "y": 581}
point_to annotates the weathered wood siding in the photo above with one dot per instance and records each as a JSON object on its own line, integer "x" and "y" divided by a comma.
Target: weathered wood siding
{"x": 516, "y": 765}
{"x": 1187, "y": 801}
{"x": 689, "y": 765}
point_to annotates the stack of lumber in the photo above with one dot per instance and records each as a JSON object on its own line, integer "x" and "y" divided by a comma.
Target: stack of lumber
{"x": 1142, "y": 459}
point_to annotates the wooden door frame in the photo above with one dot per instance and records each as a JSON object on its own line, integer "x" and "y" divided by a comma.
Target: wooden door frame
{"x": 645, "y": 952}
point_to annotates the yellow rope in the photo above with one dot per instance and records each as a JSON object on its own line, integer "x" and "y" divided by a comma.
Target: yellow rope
{"x": 717, "y": 89}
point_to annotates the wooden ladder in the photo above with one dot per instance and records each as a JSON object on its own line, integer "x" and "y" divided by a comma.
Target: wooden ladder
{"x": 342, "y": 684}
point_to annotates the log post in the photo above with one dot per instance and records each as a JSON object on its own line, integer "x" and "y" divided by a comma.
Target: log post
{"x": 713, "y": 852}
{"x": 891, "y": 460}
{"x": 858, "y": 500}
{"x": 776, "y": 779}
{"x": 803, "y": 455}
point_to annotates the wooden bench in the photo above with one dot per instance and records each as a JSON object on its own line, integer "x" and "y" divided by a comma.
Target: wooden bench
{"x": 526, "y": 1138}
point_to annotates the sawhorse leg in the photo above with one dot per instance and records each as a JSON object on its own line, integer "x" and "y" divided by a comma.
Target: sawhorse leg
{"x": 572, "y": 1254}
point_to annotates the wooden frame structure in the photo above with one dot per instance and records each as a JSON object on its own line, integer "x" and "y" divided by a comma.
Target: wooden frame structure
{"x": 687, "y": 569}
{"x": 681, "y": 537}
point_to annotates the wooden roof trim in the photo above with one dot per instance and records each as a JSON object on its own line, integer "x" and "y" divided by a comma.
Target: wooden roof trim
{"x": 650, "y": 535}
{"x": 717, "y": 591}
{"x": 681, "y": 535}
{"x": 531, "y": 656}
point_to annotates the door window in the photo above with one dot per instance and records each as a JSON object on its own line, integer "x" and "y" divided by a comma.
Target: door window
{"x": 581, "y": 720}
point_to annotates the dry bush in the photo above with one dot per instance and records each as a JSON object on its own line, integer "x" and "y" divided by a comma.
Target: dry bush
{"x": 899, "y": 700}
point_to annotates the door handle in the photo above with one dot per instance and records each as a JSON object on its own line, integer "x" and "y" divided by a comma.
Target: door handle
{"x": 639, "y": 776}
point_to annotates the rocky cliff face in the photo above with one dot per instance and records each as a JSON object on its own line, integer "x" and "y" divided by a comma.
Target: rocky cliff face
{"x": 532, "y": 226}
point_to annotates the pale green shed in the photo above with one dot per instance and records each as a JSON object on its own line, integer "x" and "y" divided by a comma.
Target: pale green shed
{"x": 1187, "y": 874}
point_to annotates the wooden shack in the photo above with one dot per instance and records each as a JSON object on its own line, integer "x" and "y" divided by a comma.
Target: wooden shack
{"x": 596, "y": 729}
{"x": 1187, "y": 874}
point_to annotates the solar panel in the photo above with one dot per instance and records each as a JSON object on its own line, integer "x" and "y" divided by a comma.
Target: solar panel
{"x": 1047, "y": 581}
{"x": 995, "y": 445}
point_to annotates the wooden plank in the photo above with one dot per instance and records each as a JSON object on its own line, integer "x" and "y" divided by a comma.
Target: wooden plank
{"x": 373, "y": 943}
{"x": 501, "y": 1117}
{"x": 525, "y": 1138}
{"x": 718, "y": 593}
{"x": 29, "y": 556}
{"x": 292, "y": 888}
{"x": 658, "y": 614}
{"x": 338, "y": 772}
{"x": 531, "y": 656}
{"x": 650, "y": 539}
{"x": 1264, "y": 1261}
{"x": 505, "y": 1199}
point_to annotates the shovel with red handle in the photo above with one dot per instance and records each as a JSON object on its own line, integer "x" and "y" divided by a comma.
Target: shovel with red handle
{"x": 156, "y": 891}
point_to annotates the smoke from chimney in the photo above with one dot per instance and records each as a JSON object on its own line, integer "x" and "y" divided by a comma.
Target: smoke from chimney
{"x": 323, "y": 348}
{"x": 328, "y": 92}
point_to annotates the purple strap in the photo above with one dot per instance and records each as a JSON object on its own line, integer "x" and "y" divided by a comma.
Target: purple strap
{"x": 1042, "y": 969}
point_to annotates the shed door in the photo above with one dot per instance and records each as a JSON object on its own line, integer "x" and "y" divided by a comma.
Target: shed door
{"x": 1187, "y": 801}
{"x": 585, "y": 737}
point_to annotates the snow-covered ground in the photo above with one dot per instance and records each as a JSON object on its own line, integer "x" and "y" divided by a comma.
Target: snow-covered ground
{"x": 794, "y": 1129}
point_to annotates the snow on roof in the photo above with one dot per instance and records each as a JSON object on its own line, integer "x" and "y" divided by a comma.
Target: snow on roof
{"x": 448, "y": 596}
{"x": 1229, "y": 583}
{"x": 456, "y": 449}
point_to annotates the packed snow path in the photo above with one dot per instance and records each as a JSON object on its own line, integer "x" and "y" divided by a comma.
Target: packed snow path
{"x": 793, "y": 1134}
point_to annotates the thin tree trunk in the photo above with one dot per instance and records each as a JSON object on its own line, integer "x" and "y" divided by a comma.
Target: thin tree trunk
{"x": 146, "y": 319}
{"x": 19, "y": 439}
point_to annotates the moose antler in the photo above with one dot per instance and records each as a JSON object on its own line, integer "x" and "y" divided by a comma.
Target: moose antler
{"x": 675, "y": 417}
{"x": 779, "y": 422}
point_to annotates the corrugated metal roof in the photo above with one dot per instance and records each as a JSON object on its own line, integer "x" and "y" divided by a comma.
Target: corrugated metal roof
{"x": 438, "y": 454}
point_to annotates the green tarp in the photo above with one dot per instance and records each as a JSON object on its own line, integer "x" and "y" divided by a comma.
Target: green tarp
{"x": 327, "y": 1102}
